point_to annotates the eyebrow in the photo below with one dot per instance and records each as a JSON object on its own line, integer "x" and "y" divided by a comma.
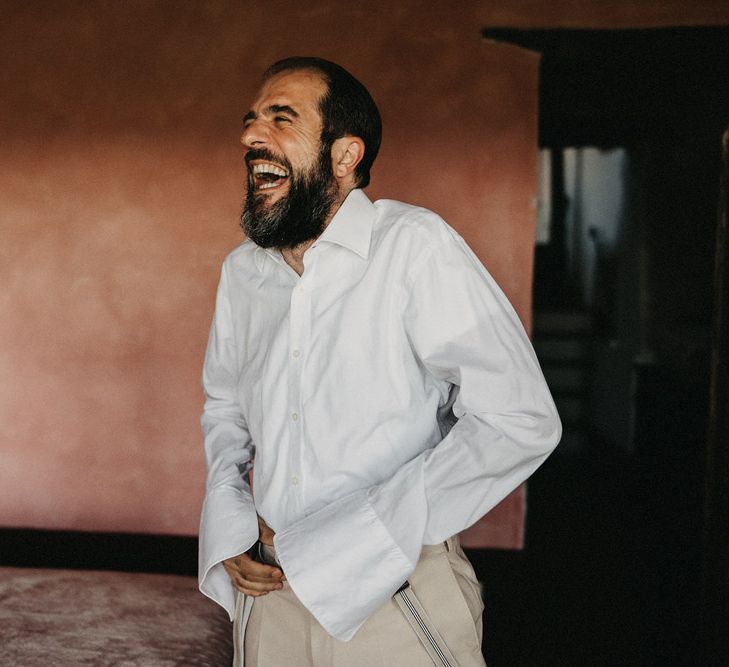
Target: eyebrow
{"x": 273, "y": 109}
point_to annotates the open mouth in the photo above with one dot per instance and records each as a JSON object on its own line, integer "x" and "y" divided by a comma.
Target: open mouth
{"x": 267, "y": 176}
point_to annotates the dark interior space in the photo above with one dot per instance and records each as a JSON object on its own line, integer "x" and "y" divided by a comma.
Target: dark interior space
{"x": 612, "y": 568}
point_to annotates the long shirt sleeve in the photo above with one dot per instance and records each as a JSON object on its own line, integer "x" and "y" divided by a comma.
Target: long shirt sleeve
{"x": 228, "y": 525}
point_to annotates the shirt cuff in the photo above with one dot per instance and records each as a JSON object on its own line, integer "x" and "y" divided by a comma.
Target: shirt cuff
{"x": 228, "y": 527}
{"x": 342, "y": 563}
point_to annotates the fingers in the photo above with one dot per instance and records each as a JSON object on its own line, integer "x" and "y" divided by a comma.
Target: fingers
{"x": 265, "y": 533}
{"x": 254, "y": 588}
{"x": 251, "y": 577}
{"x": 251, "y": 570}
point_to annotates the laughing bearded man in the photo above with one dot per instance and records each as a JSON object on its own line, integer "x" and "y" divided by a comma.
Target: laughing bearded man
{"x": 369, "y": 371}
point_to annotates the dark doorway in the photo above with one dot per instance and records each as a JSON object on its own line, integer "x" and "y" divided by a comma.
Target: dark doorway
{"x": 611, "y": 573}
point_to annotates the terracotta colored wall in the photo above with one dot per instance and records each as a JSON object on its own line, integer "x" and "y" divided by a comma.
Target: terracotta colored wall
{"x": 121, "y": 183}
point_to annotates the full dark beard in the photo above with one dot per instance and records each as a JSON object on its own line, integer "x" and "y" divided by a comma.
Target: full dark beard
{"x": 299, "y": 216}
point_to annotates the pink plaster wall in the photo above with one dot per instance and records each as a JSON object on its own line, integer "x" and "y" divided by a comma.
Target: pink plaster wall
{"x": 121, "y": 182}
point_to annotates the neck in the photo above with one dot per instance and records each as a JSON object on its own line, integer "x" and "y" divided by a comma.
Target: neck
{"x": 294, "y": 257}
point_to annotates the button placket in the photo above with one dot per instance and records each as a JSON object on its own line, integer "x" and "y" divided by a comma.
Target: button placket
{"x": 299, "y": 326}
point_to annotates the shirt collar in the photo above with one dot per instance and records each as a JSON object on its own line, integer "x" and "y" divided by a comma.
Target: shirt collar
{"x": 351, "y": 228}
{"x": 260, "y": 256}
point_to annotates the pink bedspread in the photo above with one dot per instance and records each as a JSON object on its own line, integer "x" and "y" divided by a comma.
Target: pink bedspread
{"x": 80, "y": 617}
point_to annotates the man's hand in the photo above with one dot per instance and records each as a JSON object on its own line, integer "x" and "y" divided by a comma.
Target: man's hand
{"x": 251, "y": 577}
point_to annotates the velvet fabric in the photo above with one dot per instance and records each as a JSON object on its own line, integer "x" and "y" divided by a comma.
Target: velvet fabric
{"x": 81, "y": 617}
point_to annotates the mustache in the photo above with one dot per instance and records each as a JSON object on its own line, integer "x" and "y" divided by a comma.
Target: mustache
{"x": 268, "y": 156}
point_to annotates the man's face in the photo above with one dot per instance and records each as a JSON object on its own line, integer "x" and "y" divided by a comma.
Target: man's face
{"x": 291, "y": 188}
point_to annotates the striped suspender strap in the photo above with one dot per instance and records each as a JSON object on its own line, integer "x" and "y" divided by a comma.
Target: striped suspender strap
{"x": 423, "y": 627}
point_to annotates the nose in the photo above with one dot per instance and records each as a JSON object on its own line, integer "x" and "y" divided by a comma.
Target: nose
{"x": 254, "y": 134}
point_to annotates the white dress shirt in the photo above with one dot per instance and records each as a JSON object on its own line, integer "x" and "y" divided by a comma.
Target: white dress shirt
{"x": 389, "y": 397}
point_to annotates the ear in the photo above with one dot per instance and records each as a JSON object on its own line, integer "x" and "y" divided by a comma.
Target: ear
{"x": 347, "y": 152}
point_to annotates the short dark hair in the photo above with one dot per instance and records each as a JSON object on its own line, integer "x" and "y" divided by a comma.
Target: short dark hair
{"x": 346, "y": 108}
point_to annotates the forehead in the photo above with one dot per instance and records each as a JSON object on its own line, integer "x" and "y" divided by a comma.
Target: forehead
{"x": 300, "y": 90}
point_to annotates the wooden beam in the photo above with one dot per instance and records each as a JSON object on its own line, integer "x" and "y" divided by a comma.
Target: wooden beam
{"x": 614, "y": 87}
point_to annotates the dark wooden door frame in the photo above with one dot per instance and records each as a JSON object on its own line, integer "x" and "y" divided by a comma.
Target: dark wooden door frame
{"x": 716, "y": 551}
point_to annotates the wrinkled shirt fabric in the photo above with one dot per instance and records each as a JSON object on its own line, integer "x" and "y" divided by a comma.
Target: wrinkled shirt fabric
{"x": 387, "y": 398}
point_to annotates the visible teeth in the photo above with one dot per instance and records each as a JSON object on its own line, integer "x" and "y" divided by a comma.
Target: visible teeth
{"x": 269, "y": 169}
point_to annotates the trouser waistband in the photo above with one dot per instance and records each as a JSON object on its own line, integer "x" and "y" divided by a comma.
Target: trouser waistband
{"x": 266, "y": 553}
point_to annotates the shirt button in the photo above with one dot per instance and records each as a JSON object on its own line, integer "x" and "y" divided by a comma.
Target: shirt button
{"x": 295, "y": 480}
{"x": 297, "y": 354}
{"x": 295, "y": 416}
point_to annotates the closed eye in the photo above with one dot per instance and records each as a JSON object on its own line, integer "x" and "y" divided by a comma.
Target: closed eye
{"x": 282, "y": 112}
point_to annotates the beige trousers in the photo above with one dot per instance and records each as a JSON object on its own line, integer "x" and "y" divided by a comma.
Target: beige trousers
{"x": 281, "y": 632}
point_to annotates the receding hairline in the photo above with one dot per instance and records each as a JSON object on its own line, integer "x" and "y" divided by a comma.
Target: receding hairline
{"x": 305, "y": 69}
{"x": 325, "y": 90}
{"x": 272, "y": 72}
